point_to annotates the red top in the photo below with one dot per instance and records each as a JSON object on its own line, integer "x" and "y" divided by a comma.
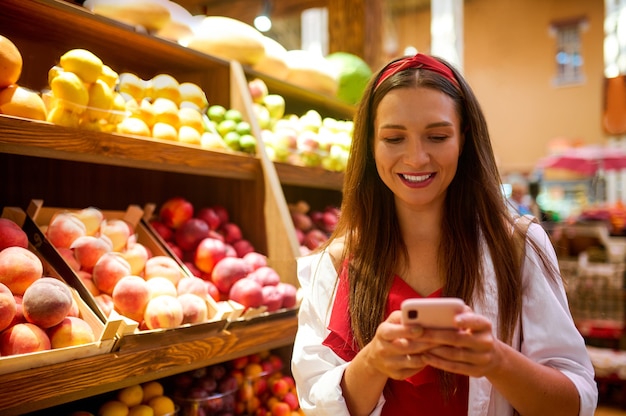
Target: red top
{"x": 418, "y": 395}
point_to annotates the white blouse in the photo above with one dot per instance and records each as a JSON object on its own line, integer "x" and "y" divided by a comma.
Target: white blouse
{"x": 550, "y": 337}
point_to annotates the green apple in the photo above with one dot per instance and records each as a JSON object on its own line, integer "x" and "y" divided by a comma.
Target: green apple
{"x": 243, "y": 127}
{"x": 247, "y": 142}
{"x": 233, "y": 114}
{"x": 226, "y": 126}
{"x": 216, "y": 113}
{"x": 275, "y": 104}
{"x": 232, "y": 140}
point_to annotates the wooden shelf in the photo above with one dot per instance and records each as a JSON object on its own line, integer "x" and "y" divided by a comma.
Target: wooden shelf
{"x": 40, "y": 388}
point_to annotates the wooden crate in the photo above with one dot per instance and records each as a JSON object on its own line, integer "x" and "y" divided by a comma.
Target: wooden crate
{"x": 129, "y": 334}
{"x": 105, "y": 333}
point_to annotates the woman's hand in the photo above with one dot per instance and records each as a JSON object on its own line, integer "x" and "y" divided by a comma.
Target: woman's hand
{"x": 471, "y": 350}
{"x": 396, "y": 350}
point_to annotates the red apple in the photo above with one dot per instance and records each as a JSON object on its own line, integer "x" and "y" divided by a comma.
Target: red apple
{"x": 272, "y": 298}
{"x": 208, "y": 253}
{"x": 190, "y": 233}
{"x": 222, "y": 213}
{"x": 163, "y": 230}
{"x": 209, "y": 215}
{"x": 231, "y": 232}
{"x": 247, "y": 292}
{"x": 175, "y": 211}
{"x": 265, "y": 276}
{"x": 255, "y": 259}
{"x": 243, "y": 247}
{"x": 289, "y": 292}
{"x": 314, "y": 238}
{"x": 228, "y": 271}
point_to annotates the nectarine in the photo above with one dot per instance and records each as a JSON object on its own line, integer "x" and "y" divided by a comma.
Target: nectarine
{"x": 11, "y": 234}
{"x": 19, "y": 268}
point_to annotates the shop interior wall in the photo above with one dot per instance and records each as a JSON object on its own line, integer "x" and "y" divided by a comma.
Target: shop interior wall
{"x": 509, "y": 59}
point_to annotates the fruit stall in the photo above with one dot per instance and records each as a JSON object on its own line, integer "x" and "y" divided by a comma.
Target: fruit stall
{"x": 49, "y": 166}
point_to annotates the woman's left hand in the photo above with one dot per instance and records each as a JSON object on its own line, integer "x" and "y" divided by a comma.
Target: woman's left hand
{"x": 472, "y": 351}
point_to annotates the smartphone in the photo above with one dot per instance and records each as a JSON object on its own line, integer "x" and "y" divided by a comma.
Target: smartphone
{"x": 431, "y": 312}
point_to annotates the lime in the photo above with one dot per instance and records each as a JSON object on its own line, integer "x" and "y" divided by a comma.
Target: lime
{"x": 243, "y": 127}
{"x": 232, "y": 140}
{"x": 216, "y": 113}
{"x": 234, "y": 115}
{"x": 226, "y": 126}
{"x": 247, "y": 142}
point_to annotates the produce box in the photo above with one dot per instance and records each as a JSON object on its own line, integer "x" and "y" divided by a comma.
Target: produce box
{"x": 131, "y": 335}
{"x": 105, "y": 333}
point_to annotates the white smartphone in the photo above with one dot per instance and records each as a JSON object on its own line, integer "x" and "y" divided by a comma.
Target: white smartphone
{"x": 431, "y": 312}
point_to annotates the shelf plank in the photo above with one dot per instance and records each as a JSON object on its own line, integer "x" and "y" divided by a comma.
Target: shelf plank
{"x": 32, "y": 138}
{"x": 309, "y": 177}
{"x": 66, "y": 382}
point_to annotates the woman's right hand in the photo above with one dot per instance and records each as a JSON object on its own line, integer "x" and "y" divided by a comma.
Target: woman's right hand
{"x": 395, "y": 351}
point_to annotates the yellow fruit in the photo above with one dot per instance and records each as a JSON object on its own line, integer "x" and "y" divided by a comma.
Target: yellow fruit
{"x": 192, "y": 118}
{"x": 133, "y": 125}
{"x": 132, "y": 85}
{"x": 164, "y": 131}
{"x": 131, "y": 395}
{"x": 63, "y": 117}
{"x": 113, "y": 408}
{"x": 21, "y": 102}
{"x": 10, "y": 62}
{"x": 83, "y": 63}
{"x": 189, "y": 135}
{"x": 165, "y": 86}
{"x": 212, "y": 141}
{"x": 166, "y": 111}
{"x": 100, "y": 100}
{"x": 109, "y": 76}
{"x": 151, "y": 389}
{"x": 162, "y": 405}
{"x": 67, "y": 86}
{"x": 118, "y": 110}
{"x": 193, "y": 93}
{"x": 141, "y": 410}
{"x": 53, "y": 72}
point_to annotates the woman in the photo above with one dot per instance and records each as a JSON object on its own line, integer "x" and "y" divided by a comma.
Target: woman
{"x": 423, "y": 215}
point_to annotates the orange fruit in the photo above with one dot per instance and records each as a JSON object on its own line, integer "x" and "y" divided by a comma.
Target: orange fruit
{"x": 21, "y": 102}
{"x": 10, "y": 62}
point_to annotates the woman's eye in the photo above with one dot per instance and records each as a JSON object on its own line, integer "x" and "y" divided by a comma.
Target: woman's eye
{"x": 438, "y": 138}
{"x": 393, "y": 139}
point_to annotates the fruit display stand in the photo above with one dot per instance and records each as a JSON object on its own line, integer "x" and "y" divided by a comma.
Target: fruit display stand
{"x": 79, "y": 168}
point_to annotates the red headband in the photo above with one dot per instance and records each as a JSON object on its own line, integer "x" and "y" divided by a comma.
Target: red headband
{"x": 418, "y": 61}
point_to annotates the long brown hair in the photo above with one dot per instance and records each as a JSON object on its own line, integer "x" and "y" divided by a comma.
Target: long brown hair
{"x": 474, "y": 209}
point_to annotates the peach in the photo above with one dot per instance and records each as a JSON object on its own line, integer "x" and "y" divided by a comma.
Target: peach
{"x": 159, "y": 286}
{"x": 8, "y": 307}
{"x": 163, "y": 266}
{"x": 46, "y": 302}
{"x": 19, "y": 268}
{"x": 88, "y": 249}
{"x": 11, "y": 234}
{"x": 175, "y": 211}
{"x": 70, "y": 259}
{"x": 85, "y": 277}
{"x": 71, "y": 331}
{"x": 19, "y": 312}
{"x": 137, "y": 255}
{"x": 105, "y": 303}
{"x": 74, "y": 309}
{"x": 92, "y": 218}
{"x": 64, "y": 228}
{"x": 195, "y": 309}
{"x": 22, "y": 339}
{"x": 163, "y": 312}
{"x": 118, "y": 231}
{"x": 109, "y": 269}
{"x": 229, "y": 270}
{"x": 192, "y": 284}
{"x": 208, "y": 253}
{"x": 130, "y": 297}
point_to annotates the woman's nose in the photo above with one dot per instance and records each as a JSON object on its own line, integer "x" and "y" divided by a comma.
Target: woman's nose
{"x": 417, "y": 154}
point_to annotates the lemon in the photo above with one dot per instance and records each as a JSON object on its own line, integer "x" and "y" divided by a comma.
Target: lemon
{"x": 131, "y": 395}
{"x": 113, "y": 408}
{"x": 53, "y": 72}
{"x": 100, "y": 100}
{"x": 61, "y": 116}
{"x": 162, "y": 405}
{"x": 118, "y": 109}
{"x": 193, "y": 93}
{"x": 109, "y": 76}
{"x": 131, "y": 85}
{"x": 165, "y": 86}
{"x": 164, "y": 131}
{"x": 83, "y": 63}
{"x": 67, "y": 86}
{"x": 133, "y": 125}
{"x": 166, "y": 111}
{"x": 189, "y": 135}
{"x": 192, "y": 118}
{"x": 151, "y": 389}
{"x": 141, "y": 410}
